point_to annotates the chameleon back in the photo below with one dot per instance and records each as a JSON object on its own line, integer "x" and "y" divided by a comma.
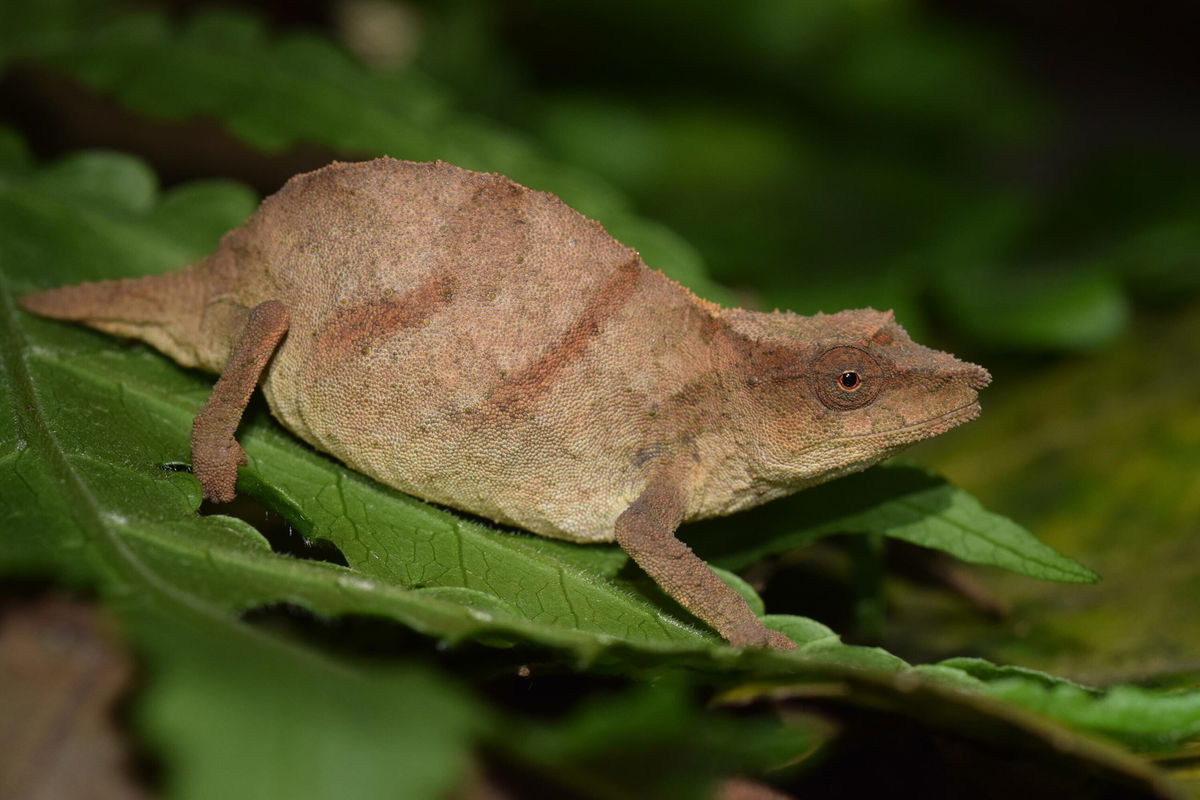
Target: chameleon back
{"x": 464, "y": 339}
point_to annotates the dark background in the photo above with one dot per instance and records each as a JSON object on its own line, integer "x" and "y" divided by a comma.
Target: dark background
{"x": 1020, "y": 181}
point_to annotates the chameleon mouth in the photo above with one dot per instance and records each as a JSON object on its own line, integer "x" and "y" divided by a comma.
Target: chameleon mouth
{"x": 933, "y": 426}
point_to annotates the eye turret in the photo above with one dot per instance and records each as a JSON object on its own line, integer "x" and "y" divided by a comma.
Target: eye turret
{"x": 845, "y": 378}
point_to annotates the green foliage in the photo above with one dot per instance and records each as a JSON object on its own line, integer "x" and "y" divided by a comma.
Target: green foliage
{"x": 797, "y": 194}
{"x": 853, "y": 151}
{"x": 863, "y": 180}
{"x": 1144, "y": 718}
{"x": 486, "y": 580}
{"x": 236, "y": 714}
{"x": 276, "y": 91}
{"x": 837, "y": 208}
{"x": 85, "y": 496}
{"x": 901, "y": 502}
{"x": 1101, "y": 456}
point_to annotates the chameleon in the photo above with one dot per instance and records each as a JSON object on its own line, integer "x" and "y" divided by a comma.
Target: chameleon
{"x": 481, "y": 345}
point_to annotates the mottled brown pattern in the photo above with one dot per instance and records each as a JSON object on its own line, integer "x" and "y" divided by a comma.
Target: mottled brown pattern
{"x": 521, "y": 391}
{"x": 350, "y": 329}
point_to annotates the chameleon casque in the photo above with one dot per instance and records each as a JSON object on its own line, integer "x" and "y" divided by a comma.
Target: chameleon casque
{"x": 481, "y": 345}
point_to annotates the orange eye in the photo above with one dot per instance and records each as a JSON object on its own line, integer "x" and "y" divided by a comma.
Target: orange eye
{"x": 845, "y": 378}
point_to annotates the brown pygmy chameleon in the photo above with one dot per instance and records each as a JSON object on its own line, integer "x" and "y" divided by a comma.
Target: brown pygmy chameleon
{"x": 481, "y": 345}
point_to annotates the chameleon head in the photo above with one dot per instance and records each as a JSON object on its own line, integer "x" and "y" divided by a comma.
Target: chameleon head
{"x": 847, "y": 390}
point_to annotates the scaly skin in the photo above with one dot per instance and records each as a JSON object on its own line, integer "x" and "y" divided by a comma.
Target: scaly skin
{"x": 481, "y": 345}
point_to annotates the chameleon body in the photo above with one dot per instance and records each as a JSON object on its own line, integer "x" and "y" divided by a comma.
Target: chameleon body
{"x": 481, "y": 345}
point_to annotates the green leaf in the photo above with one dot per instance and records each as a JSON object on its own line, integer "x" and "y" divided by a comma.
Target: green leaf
{"x": 237, "y": 714}
{"x": 96, "y": 422}
{"x": 1142, "y": 718}
{"x": 1161, "y": 260}
{"x": 1037, "y": 306}
{"x": 897, "y": 501}
{"x": 555, "y": 592}
{"x": 225, "y": 65}
{"x": 120, "y": 183}
{"x": 1102, "y": 457}
{"x": 85, "y": 496}
{"x": 989, "y": 735}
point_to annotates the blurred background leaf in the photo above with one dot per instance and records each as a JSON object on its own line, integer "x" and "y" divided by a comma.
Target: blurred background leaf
{"x": 1018, "y": 181}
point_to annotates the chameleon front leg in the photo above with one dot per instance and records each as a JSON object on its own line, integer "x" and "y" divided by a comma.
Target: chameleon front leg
{"x": 646, "y": 531}
{"x": 216, "y": 455}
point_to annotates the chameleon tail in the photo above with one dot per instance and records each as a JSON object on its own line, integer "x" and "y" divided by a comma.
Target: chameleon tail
{"x": 162, "y": 310}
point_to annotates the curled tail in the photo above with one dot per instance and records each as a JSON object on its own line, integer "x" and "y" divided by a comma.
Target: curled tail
{"x": 163, "y": 310}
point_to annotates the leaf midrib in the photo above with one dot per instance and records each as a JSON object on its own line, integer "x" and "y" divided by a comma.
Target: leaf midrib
{"x": 86, "y": 508}
{"x": 89, "y": 513}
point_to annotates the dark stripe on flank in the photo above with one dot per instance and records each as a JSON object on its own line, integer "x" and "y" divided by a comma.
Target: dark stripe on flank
{"x": 350, "y": 329}
{"x": 524, "y": 388}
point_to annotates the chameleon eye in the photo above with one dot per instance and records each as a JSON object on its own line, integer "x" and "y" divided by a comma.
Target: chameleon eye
{"x": 846, "y": 378}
